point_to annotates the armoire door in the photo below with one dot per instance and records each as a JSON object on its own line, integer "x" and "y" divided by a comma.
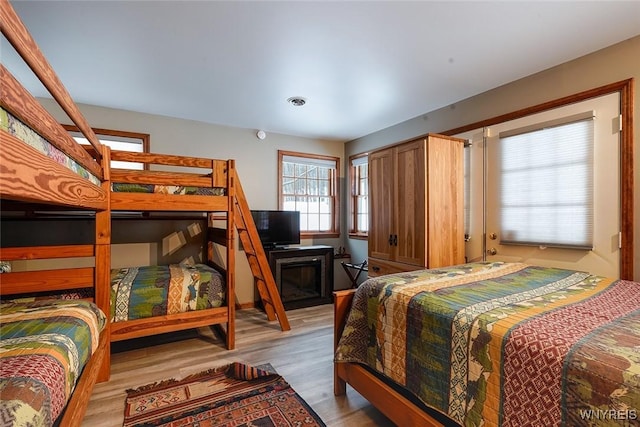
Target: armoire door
{"x": 409, "y": 207}
{"x": 381, "y": 204}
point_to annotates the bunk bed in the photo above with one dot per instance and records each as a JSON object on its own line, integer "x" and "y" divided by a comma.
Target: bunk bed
{"x": 492, "y": 343}
{"x": 175, "y": 184}
{"x": 42, "y": 167}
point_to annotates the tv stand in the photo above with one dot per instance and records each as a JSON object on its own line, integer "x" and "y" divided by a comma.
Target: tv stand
{"x": 275, "y": 248}
{"x": 303, "y": 274}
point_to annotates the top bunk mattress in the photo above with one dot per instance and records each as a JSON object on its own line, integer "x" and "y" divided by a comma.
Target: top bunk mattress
{"x": 121, "y": 187}
{"x": 44, "y": 347}
{"x": 12, "y": 125}
{"x": 142, "y": 292}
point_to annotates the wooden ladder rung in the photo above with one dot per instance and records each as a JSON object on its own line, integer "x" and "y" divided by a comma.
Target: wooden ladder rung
{"x": 257, "y": 258}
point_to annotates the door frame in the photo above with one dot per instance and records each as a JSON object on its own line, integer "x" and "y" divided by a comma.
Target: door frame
{"x": 626, "y": 90}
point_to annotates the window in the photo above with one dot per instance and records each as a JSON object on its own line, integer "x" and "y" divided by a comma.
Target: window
{"x": 308, "y": 184}
{"x": 546, "y": 183}
{"x": 116, "y": 140}
{"x": 359, "y": 179}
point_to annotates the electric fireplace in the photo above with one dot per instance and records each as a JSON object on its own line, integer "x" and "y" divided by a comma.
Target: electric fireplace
{"x": 303, "y": 275}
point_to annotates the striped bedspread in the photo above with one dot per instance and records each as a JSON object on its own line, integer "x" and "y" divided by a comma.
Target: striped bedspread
{"x": 140, "y": 292}
{"x": 504, "y": 344}
{"x": 43, "y": 347}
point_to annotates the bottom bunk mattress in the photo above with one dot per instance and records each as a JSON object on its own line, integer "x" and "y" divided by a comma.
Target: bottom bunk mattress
{"x": 44, "y": 346}
{"x": 142, "y": 292}
{"x": 504, "y": 344}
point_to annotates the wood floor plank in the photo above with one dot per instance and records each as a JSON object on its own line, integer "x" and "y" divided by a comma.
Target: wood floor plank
{"x": 303, "y": 356}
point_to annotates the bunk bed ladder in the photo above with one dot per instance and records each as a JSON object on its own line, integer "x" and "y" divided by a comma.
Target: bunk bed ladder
{"x": 257, "y": 258}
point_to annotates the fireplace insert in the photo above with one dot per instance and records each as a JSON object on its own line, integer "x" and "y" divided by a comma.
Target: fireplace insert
{"x": 304, "y": 275}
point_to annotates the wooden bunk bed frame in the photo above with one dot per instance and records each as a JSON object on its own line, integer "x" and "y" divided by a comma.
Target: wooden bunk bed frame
{"x": 217, "y": 174}
{"x": 97, "y": 368}
{"x": 230, "y": 205}
{"x": 29, "y": 178}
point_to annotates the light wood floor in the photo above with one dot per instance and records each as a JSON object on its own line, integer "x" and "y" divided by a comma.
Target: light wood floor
{"x": 303, "y": 356}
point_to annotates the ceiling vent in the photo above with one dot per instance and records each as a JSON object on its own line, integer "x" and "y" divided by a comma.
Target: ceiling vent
{"x": 297, "y": 101}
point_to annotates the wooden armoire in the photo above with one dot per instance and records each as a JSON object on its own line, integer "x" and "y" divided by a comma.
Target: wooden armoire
{"x": 416, "y": 205}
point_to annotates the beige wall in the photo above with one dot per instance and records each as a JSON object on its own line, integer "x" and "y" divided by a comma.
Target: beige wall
{"x": 613, "y": 64}
{"x": 256, "y": 161}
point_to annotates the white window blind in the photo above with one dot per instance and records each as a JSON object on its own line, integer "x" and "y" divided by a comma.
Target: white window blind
{"x": 546, "y": 187}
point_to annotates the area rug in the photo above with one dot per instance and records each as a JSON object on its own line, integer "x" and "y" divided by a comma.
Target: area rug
{"x": 231, "y": 395}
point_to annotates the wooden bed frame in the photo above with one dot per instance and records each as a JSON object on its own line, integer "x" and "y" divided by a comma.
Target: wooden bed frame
{"x": 97, "y": 368}
{"x": 30, "y": 178}
{"x": 216, "y": 174}
{"x": 398, "y": 408}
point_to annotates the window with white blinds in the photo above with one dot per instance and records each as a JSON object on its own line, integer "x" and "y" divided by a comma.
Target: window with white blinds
{"x": 546, "y": 184}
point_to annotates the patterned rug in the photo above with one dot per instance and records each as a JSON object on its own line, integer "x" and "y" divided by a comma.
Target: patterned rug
{"x": 232, "y": 395}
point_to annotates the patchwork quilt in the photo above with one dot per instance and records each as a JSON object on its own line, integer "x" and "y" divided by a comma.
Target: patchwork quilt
{"x": 140, "y": 292}
{"x": 20, "y": 130}
{"x": 166, "y": 189}
{"x": 44, "y": 346}
{"x": 504, "y": 344}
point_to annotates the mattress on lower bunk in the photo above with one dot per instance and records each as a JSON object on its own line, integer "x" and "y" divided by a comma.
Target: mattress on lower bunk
{"x": 141, "y": 292}
{"x": 121, "y": 187}
{"x": 44, "y": 346}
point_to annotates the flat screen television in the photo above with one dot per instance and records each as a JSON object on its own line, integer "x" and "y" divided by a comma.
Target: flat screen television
{"x": 277, "y": 228}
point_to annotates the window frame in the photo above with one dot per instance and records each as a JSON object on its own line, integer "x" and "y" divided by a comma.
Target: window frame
{"x": 144, "y": 137}
{"x": 354, "y": 180}
{"x": 334, "y": 192}
{"x": 626, "y": 90}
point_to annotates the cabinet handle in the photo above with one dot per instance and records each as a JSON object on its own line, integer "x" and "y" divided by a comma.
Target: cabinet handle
{"x": 375, "y": 268}
{"x": 390, "y": 239}
{"x": 395, "y": 240}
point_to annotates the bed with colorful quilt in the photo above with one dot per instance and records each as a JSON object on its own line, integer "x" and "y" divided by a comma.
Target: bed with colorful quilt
{"x": 152, "y": 300}
{"x": 44, "y": 168}
{"x": 155, "y": 291}
{"x": 156, "y": 185}
{"x": 44, "y": 347}
{"x": 493, "y": 344}
{"x": 170, "y": 183}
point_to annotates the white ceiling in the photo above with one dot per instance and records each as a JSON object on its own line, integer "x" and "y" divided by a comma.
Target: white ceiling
{"x": 362, "y": 66}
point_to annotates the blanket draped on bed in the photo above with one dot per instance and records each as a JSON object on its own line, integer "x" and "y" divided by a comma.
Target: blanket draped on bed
{"x": 141, "y": 292}
{"x": 503, "y": 344}
{"x": 44, "y": 347}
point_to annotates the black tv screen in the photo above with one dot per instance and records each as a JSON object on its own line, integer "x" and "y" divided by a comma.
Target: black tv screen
{"x": 277, "y": 228}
